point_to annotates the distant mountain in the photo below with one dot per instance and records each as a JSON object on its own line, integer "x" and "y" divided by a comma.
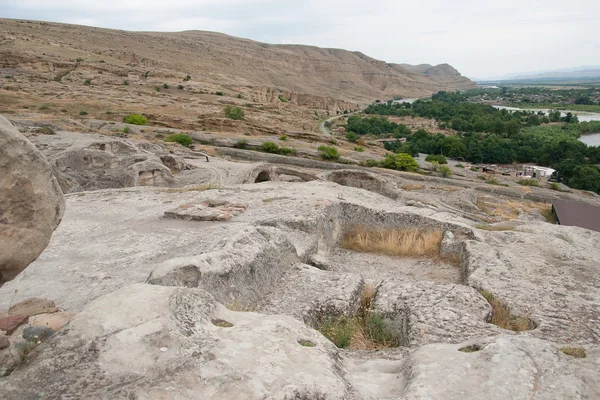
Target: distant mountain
{"x": 571, "y": 73}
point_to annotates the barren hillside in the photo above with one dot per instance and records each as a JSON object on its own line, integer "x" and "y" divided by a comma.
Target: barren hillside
{"x": 216, "y": 58}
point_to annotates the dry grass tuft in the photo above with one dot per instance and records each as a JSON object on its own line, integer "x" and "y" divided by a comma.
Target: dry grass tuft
{"x": 394, "y": 242}
{"x": 509, "y": 210}
{"x": 495, "y": 227}
{"x": 201, "y": 188}
{"x": 240, "y": 307}
{"x": 411, "y": 187}
{"x": 503, "y": 318}
{"x": 577, "y": 352}
{"x": 449, "y": 188}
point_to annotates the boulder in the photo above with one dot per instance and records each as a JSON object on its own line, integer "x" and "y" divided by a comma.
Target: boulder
{"x": 31, "y": 202}
{"x": 152, "y": 342}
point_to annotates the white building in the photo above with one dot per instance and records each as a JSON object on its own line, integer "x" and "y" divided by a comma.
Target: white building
{"x": 537, "y": 172}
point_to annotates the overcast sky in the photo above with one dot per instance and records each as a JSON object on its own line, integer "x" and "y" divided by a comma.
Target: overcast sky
{"x": 480, "y": 38}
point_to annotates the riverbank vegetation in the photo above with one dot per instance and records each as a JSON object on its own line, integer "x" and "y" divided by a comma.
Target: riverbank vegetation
{"x": 485, "y": 134}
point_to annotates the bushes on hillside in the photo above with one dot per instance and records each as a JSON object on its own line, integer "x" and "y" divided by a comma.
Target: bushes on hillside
{"x": 401, "y": 161}
{"x": 234, "y": 113}
{"x": 328, "y": 152}
{"x": 272, "y": 147}
{"x": 180, "y": 138}
{"x": 445, "y": 171}
{"x": 135, "y": 119}
{"x": 440, "y": 159}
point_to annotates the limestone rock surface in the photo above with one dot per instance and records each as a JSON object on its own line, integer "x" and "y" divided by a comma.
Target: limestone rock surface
{"x": 152, "y": 342}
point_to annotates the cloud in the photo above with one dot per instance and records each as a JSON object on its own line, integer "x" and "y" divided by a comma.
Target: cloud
{"x": 481, "y": 38}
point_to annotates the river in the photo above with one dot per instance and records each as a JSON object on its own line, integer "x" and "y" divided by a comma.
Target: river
{"x": 591, "y": 139}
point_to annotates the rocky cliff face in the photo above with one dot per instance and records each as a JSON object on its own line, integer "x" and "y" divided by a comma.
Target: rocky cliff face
{"x": 216, "y": 59}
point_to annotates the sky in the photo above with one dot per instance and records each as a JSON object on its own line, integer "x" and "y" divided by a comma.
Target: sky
{"x": 480, "y": 38}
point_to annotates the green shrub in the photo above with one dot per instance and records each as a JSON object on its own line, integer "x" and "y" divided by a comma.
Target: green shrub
{"x": 146, "y": 74}
{"x": 235, "y": 113}
{"x": 165, "y": 86}
{"x": 241, "y": 144}
{"x": 180, "y": 138}
{"x": 270, "y": 147}
{"x": 474, "y": 169}
{"x": 378, "y": 331}
{"x": 340, "y": 332}
{"x": 283, "y": 99}
{"x": 126, "y": 82}
{"x": 219, "y": 93}
{"x": 83, "y": 113}
{"x": 333, "y": 141}
{"x": 283, "y": 137}
{"x": 352, "y": 137}
{"x": 187, "y": 78}
{"x": 400, "y": 161}
{"x": 87, "y": 82}
{"x": 555, "y": 186}
{"x": 79, "y": 59}
{"x": 135, "y": 119}
{"x": 370, "y": 163}
{"x": 439, "y": 158}
{"x": 359, "y": 149}
{"x": 529, "y": 182}
{"x": 180, "y": 87}
{"x": 126, "y": 129}
{"x": 287, "y": 151}
{"x": 492, "y": 180}
{"x": 328, "y": 152}
{"x": 459, "y": 166}
{"x": 446, "y": 171}
{"x": 239, "y": 96}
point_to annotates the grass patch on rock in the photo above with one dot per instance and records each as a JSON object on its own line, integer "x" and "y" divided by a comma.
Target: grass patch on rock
{"x": 201, "y": 188}
{"x": 366, "y": 330}
{"x": 470, "y": 349}
{"x": 495, "y": 228}
{"x": 577, "y": 352}
{"x": 394, "y": 242}
{"x": 510, "y": 209}
{"x": 503, "y": 318}
{"x": 411, "y": 187}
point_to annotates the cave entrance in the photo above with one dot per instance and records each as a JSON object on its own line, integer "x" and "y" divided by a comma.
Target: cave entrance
{"x": 263, "y": 176}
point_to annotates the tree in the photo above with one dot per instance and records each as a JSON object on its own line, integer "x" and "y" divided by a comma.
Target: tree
{"x": 512, "y": 128}
{"x": 352, "y": 137}
{"x": 554, "y": 116}
{"x": 533, "y": 120}
{"x": 586, "y": 178}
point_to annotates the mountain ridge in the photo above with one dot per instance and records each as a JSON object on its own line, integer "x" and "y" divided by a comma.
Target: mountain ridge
{"x": 348, "y": 75}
